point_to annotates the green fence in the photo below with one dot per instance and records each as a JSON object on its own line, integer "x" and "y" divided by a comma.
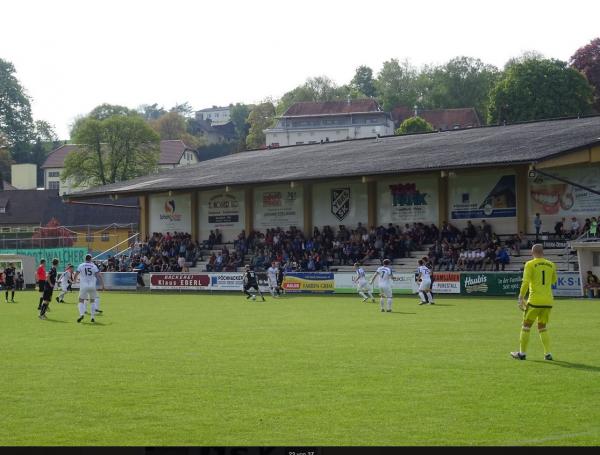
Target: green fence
{"x": 65, "y": 255}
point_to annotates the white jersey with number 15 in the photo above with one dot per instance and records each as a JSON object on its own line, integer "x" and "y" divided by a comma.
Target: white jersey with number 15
{"x": 87, "y": 274}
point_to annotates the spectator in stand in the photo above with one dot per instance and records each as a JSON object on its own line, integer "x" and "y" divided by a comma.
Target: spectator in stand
{"x": 592, "y": 285}
{"x": 490, "y": 259}
{"x": 575, "y": 228}
{"x": 219, "y": 262}
{"x": 487, "y": 230}
{"x": 593, "y": 227}
{"x": 537, "y": 222}
{"x": 502, "y": 258}
{"x": 559, "y": 228}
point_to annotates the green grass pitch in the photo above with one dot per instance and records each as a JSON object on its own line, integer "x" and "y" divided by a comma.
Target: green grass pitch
{"x": 200, "y": 369}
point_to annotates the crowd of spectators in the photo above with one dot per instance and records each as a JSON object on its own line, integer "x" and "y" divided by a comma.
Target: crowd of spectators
{"x": 573, "y": 228}
{"x": 170, "y": 252}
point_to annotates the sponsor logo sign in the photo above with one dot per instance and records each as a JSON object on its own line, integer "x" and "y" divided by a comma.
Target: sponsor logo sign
{"x": 179, "y": 281}
{"x": 309, "y": 283}
{"x": 223, "y": 208}
{"x": 340, "y": 202}
{"x": 446, "y": 282}
{"x": 169, "y": 213}
{"x": 403, "y": 283}
{"x": 500, "y": 283}
{"x": 568, "y": 285}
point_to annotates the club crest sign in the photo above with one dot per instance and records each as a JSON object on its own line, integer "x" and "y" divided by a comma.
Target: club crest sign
{"x": 340, "y": 202}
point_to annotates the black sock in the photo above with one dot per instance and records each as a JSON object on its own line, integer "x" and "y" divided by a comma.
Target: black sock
{"x": 12, "y": 295}
{"x": 44, "y": 308}
{"x": 41, "y": 300}
{"x": 6, "y": 293}
{"x": 247, "y": 293}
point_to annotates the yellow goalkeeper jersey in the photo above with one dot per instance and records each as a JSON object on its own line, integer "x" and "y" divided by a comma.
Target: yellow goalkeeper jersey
{"x": 538, "y": 277}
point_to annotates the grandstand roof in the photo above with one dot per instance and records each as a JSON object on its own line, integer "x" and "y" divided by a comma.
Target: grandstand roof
{"x": 476, "y": 147}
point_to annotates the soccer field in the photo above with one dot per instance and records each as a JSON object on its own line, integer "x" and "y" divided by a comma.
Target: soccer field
{"x": 200, "y": 369}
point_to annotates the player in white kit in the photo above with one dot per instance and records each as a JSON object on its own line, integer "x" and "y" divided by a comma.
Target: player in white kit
{"x": 64, "y": 280}
{"x": 425, "y": 284}
{"x": 272, "y": 279}
{"x": 88, "y": 275}
{"x": 362, "y": 285}
{"x": 385, "y": 284}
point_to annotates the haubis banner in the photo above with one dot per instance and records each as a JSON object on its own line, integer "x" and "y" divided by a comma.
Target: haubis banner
{"x": 402, "y": 283}
{"x": 446, "y": 282}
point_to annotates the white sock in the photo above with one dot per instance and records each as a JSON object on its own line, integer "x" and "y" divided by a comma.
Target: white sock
{"x": 81, "y": 308}
{"x": 97, "y": 304}
{"x": 62, "y": 294}
{"x": 422, "y": 295}
{"x": 272, "y": 291}
{"x": 430, "y": 297}
{"x": 389, "y": 303}
{"x": 381, "y": 303}
{"x": 370, "y": 295}
{"x": 362, "y": 294}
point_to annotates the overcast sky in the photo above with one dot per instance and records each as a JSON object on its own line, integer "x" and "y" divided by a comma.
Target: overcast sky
{"x": 73, "y": 55}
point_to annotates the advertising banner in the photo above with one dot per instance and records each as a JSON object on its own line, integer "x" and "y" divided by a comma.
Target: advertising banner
{"x": 74, "y": 256}
{"x": 446, "y": 282}
{"x": 484, "y": 195}
{"x": 338, "y": 203}
{"x": 548, "y": 196}
{"x": 117, "y": 281}
{"x": 568, "y": 285}
{"x": 484, "y": 283}
{"x": 408, "y": 200}
{"x": 309, "y": 283}
{"x": 278, "y": 206}
{"x": 222, "y": 210}
{"x": 234, "y": 281}
{"x": 403, "y": 283}
{"x": 170, "y": 213}
{"x": 179, "y": 281}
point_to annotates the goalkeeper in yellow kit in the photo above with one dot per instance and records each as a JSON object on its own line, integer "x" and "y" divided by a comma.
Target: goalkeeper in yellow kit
{"x": 538, "y": 277}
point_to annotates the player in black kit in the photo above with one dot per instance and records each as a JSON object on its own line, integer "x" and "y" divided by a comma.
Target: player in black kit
{"x": 9, "y": 281}
{"x": 280, "y": 275}
{"x": 48, "y": 288}
{"x": 250, "y": 281}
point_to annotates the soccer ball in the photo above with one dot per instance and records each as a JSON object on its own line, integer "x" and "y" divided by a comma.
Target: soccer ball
{"x": 253, "y": 297}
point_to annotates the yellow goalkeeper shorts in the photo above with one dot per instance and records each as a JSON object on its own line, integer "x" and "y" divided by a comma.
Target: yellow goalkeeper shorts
{"x": 541, "y": 314}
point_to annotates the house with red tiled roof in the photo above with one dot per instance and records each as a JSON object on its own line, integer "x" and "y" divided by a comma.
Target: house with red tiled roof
{"x": 173, "y": 153}
{"x": 314, "y": 122}
{"x": 440, "y": 119}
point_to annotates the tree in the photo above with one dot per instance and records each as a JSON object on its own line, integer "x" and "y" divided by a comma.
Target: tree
{"x": 587, "y": 60}
{"x": 315, "y": 89}
{"x": 16, "y": 123}
{"x": 106, "y": 110}
{"x": 539, "y": 89}
{"x": 259, "y": 119}
{"x": 396, "y": 84}
{"x": 113, "y": 149}
{"x": 151, "y": 111}
{"x": 461, "y": 82}
{"x": 6, "y": 162}
{"x": 183, "y": 109}
{"x": 239, "y": 117}
{"x": 170, "y": 126}
{"x": 363, "y": 81}
{"x": 52, "y": 235}
{"x": 414, "y": 125}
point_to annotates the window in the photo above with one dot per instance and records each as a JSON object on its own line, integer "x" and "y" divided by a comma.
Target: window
{"x": 2, "y": 209}
{"x": 299, "y": 143}
{"x": 105, "y": 237}
{"x": 54, "y": 174}
{"x": 55, "y": 185}
{"x": 596, "y": 259}
{"x": 216, "y": 115}
{"x": 5, "y": 229}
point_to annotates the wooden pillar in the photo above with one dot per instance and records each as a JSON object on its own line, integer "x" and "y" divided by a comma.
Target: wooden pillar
{"x": 308, "y": 206}
{"x": 522, "y": 204}
{"x": 249, "y": 209}
{"x": 442, "y": 198}
{"x": 144, "y": 227}
{"x": 195, "y": 216}
{"x": 371, "y": 204}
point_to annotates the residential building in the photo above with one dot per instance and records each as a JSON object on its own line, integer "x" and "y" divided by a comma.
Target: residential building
{"x": 216, "y": 115}
{"x": 315, "y": 122}
{"x": 97, "y": 227}
{"x": 440, "y": 119}
{"x": 173, "y": 153}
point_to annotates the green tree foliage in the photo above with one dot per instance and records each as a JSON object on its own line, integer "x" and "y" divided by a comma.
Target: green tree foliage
{"x": 113, "y": 149}
{"x": 587, "y": 60}
{"x": 183, "y": 109}
{"x": 414, "y": 125}
{"x": 461, "y": 82}
{"x": 260, "y": 118}
{"x": 239, "y": 117}
{"x": 16, "y": 123}
{"x": 105, "y": 111}
{"x": 319, "y": 88}
{"x": 151, "y": 111}
{"x": 539, "y": 89}
{"x": 397, "y": 84}
{"x": 363, "y": 81}
{"x": 5, "y": 159}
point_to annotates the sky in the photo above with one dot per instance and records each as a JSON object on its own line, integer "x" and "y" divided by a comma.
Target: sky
{"x": 74, "y": 55}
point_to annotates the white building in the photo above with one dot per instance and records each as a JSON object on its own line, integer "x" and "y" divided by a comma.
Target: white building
{"x": 173, "y": 153}
{"x": 216, "y": 115}
{"x": 314, "y": 122}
